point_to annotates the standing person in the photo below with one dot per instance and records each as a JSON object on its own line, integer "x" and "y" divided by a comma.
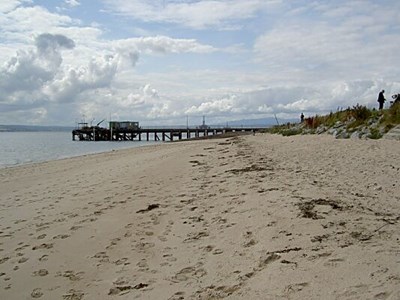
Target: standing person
{"x": 302, "y": 118}
{"x": 381, "y": 99}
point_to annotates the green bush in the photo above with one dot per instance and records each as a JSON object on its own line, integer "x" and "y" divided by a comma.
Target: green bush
{"x": 394, "y": 113}
{"x": 289, "y": 132}
{"x": 375, "y": 134}
{"x": 390, "y": 117}
{"x": 360, "y": 112}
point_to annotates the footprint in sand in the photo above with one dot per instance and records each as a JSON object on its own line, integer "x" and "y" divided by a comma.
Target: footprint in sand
{"x": 169, "y": 257}
{"x": 217, "y": 251}
{"x": 43, "y": 246}
{"x": 195, "y": 236}
{"x": 216, "y": 292}
{"x": 22, "y": 260}
{"x": 124, "y": 289}
{"x": 249, "y": 240}
{"x": 103, "y": 257}
{"x": 41, "y": 273}
{"x": 122, "y": 261}
{"x": 333, "y": 262}
{"x": 296, "y": 287}
{"x": 143, "y": 246}
{"x": 264, "y": 262}
{"x": 71, "y": 275}
{"x": 73, "y": 295}
{"x": 61, "y": 236}
{"x": 142, "y": 264}
{"x": 113, "y": 243}
{"x": 177, "y": 296}
{"x": 37, "y": 293}
{"x": 188, "y": 272}
{"x": 3, "y": 260}
{"x": 208, "y": 248}
{"x": 44, "y": 258}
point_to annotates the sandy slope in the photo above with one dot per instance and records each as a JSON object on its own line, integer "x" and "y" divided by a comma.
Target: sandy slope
{"x": 254, "y": 217}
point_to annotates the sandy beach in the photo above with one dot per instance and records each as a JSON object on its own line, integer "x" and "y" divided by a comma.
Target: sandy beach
{"x": 249, "y": 217}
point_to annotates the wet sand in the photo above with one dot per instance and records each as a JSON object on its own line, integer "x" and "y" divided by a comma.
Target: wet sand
{"x": 249, "y": 217}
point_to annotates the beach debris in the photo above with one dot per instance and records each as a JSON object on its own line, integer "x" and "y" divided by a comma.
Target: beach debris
{"x": 197, "y": 163}
{"x": 140, "y": 286}
{"x": 284, "y": 261}
{"x": 149, "y": 208}
{"x": 269, "y": 259}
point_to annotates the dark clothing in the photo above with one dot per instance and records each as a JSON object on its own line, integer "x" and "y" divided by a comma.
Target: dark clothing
{"x": 381, "y": 100}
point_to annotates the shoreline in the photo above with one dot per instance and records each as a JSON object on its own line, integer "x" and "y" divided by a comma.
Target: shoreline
{"x": 72, "y": 157}
{"x": 43, "y": 150}
{"x": 259, "y": 217}
{"x": 150, "y": 143}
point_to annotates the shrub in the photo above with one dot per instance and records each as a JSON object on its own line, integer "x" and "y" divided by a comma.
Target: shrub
{"x": 289, "y": 132}
{"x": 394, "y": 113}
{"x": 314, "y": 122}
{"x": 360, "y": 112}
{"x": 375, "y": 134}
{"x": 391, "y": 116}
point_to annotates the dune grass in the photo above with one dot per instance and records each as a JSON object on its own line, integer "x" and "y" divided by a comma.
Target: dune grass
{"x": 353, "y": 118}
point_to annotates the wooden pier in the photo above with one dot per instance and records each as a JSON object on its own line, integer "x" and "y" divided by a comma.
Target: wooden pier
{"x": 95, "y": 133}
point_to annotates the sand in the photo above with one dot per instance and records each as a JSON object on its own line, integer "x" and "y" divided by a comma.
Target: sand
{"x": 250, "y": 217}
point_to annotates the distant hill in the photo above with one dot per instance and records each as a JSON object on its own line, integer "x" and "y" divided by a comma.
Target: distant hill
{"x": 30, "y": 128}
{"x": 262, "y": 122}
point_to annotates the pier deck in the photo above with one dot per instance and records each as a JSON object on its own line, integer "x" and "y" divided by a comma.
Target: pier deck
{"x": 157, "y": 134}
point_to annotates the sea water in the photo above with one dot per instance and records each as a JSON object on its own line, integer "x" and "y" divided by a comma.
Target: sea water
{"x": 18, "y": 148}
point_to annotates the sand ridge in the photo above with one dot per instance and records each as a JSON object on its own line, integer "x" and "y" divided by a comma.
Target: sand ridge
{"x": 250, "y": 217}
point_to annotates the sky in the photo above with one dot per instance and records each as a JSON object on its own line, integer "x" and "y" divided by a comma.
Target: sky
{"x": 163, "y": 62}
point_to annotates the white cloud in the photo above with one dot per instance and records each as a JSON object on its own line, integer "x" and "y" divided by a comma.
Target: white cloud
{"x": 29, "y": 70}
{"x": 10, "y": 5}
{"x": 164, "y": 44}
{"x": 217, "y": 106}
{"x": 285, "y": 57}
{"x": 72, "y": 3}
{"x": 22, "y": 22}
{"x": 98, "y": 74}
{"x": 42, "y": 75}
{"x": 145, "y": 95}
{"x": 221, "y": 14}
{"x": 349, "y": 40}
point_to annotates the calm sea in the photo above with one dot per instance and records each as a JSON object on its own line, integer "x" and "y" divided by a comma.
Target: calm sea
{"x": 18, "y": 148}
